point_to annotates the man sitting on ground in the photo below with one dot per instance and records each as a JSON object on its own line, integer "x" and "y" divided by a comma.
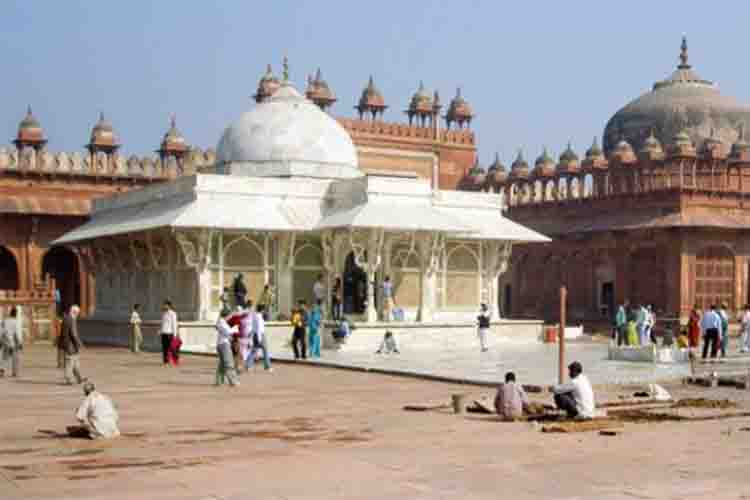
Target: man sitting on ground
{"x": 511, "y": 400}
{"x": 576, "y": 397}
{"x": 97, "y": 415}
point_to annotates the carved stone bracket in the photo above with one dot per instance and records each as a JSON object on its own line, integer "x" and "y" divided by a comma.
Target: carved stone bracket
{"x": 195, "y": 247}
{"x": 156, "y": 250}
{"x": 287, "y": 243}
{"x": 431, "y": 248}
{"x": 138, "y": 253}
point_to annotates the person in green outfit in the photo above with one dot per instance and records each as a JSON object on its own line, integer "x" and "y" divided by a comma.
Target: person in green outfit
{"x": 621, "y": 322}
{"x": 632, "y": 332}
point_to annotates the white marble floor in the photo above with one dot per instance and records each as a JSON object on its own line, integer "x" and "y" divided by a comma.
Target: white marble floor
{"x": 533, "y": 362}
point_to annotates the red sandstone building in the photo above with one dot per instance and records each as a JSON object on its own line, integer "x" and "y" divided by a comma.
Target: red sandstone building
{"x": 44, "y": 195}
{"x": 658, "y": 216}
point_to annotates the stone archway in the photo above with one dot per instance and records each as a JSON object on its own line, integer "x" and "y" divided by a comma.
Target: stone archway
{"x": 8, "y": 270}
{"x": 61, "y": 264}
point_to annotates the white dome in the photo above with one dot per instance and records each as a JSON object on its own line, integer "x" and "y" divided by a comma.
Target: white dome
{"x": 287, "y": 135}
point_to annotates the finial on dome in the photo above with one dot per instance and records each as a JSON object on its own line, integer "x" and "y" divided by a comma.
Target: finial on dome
{"x": 173, "y": 120}
{"x": 684, "y": 54}
{"x": 28, "y": 110}
{"x": 101, "y": 116}
{"x": 285, "y": 65}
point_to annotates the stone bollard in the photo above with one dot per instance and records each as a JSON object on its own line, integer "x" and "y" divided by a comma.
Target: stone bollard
{"x": 459, "y": 403}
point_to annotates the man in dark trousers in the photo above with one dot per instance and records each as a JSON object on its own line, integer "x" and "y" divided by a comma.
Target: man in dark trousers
{"x": 71, "y": 344}
{"x": 299, "y": 323}
{"x": 240, "y": 290}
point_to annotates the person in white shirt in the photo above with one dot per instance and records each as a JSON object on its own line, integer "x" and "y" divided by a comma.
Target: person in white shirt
{"x": 168, "y": 329}
{"x": 319, "y": 291}
{"x": 259, "y": 340}
{"x": 745, "y": 321}
{"x": 225, "y": 364}
{"x": 11, "y": 344}
{"x": 711, "y": 330}
{"x": 136, "y": 338}
{"x": 97, "y": 415}
{"x": 388, "y": 345}
{"x": 576, "y": 397}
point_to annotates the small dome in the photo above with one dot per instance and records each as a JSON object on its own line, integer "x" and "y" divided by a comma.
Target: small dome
{"x": 623, "y": 147}
{"x": 497, "y": 171}
{"x": 318, "y": 91}
{"x": 568, "y": 155}
{"x": 284, "y": 135}
{"x": 173, "y": 140}
{"x": 267, "y": 85}
{"x": 477, "y": 174}
{"x": 103, "y": 134}
{"x": 651, "y": 144}
{"x": 594, "y": 152}
{"x": 682, "y": 138}
{"x": 371, "y": 100}
{"x": 712, "y": 142}
{"x": 519, "y": 168}
{"x": 421, "y": 102}
{"x": 30, "y": 131}
{"x": 459, "y": 110}
{"x": 544, "y": 164}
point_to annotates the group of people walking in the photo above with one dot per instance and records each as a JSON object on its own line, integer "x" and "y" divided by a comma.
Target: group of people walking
{"x": 713, "y": 327}
{"x": 634, "y": 326}
{"x": 240, "y": 338}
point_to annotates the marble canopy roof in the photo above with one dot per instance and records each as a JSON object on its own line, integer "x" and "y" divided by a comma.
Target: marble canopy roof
{"x": 233, "y": 203}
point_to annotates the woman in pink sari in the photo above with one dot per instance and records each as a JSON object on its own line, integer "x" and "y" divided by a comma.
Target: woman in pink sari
{"x": 244, "y": 321}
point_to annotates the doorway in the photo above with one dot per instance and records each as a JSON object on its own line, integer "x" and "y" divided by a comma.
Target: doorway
{"x": 62, "y": 265}
{"x": 8, "y": 270}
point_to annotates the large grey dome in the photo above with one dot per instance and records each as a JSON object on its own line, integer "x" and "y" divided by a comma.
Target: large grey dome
{"x": 287, "y": 135}
{"x": 682, "y": 101}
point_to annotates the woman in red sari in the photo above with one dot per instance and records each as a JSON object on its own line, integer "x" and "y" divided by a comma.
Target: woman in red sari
{"x": 694, "y": 327}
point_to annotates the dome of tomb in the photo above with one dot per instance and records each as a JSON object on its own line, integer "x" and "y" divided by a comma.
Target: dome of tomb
{"x": 285, "y": 135}
{"x": 684, "y": 100}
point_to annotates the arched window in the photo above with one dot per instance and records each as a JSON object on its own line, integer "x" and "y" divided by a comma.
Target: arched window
{"x": 462, "y": 277}
{"x": 405, "y": 275}
{"x": 714, "y": 277}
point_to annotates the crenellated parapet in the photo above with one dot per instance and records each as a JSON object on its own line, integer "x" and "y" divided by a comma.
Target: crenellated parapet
{"x": 385, "y": 130}
{"x": 30, "y": 161}
{"x": 624, "y": 172}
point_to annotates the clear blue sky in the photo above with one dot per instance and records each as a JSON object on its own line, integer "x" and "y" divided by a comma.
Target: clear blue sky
{"x": 537, "y": 73}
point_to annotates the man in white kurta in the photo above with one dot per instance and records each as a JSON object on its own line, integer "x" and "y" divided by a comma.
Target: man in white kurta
{"x": 97, "y": 414}
{"x": 576, "y": 397}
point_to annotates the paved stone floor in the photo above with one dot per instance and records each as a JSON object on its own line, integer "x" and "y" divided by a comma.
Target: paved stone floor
{"x": 306, "y": 432}
{"x": 534, "y": 362}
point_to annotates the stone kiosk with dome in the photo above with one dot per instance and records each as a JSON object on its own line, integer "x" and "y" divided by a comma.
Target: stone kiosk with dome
{"x": 287, "y": 203}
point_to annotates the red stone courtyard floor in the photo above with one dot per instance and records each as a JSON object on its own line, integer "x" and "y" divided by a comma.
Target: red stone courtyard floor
{"x": 308, "y": 432}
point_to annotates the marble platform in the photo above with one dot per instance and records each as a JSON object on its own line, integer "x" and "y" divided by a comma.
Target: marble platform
{"x": 200, "y": 336}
